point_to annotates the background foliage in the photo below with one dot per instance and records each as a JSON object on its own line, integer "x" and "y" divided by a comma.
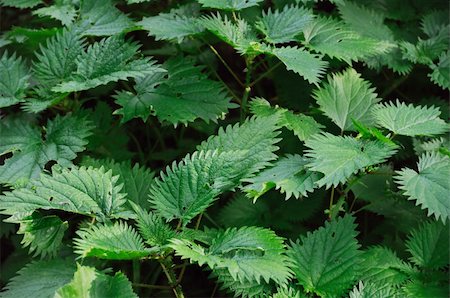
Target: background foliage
{"x": 285, "y": 148}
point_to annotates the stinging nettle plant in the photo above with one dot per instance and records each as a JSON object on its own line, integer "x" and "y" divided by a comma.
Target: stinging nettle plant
{"x": 248, "y": 148}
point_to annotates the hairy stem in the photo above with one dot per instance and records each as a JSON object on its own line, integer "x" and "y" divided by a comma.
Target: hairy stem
{"x": 167, "y": 267}
{"x": 247, "y": 87}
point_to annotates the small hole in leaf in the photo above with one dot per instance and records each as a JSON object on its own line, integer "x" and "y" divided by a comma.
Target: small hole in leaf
{"x": 4, "y": 157}
{"x": 48, "y": 166}
{"x": 50, "y": 199}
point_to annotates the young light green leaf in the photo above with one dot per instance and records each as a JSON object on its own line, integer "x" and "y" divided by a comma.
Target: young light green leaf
{"x": 326, "y": 261}
{"x": 229, "y": 4}
{"x": 102, "y": 18}
{"x": 88, "y": 282}
{"x": 429, "y": 245}
{"x": 280, "y": 26}
{"x": 288, "y": 174}
{"x": 117, "y": 241}
{"x": 368, "y": 290}
{"x": 300, "y": 61}
{"x": 175, "y": 25}
{"x": 43, "y": 234}
{"x": 429, "y": 186}
{"x": 409, "y": 120}
{"x": 85, "y": 191}
{"x": 14, "y": 77}
{"x": 40, "y": 279}
{"x": 347, "y": 96}
{"x": 64, "y": 138}
{"x": 180, "y": 96}
{"x": 109, "y": 60}
{"x": 340, "y": 157}
{"x": 248, "y": 253}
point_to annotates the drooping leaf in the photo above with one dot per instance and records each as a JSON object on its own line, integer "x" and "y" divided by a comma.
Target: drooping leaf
{"x": 347, "y": 96}
{"x": 176, "y": 25}
{"x": 301, "y": 125}
{"x": 88, "y": 282}
{"x": 326, "y": 261}
{"x": 409, "y": 120}
{"x": 13, "y": 79}
{"x": 288, "y": 174}
{"x": 240, "y": 288}
{"x": 40, "y": 279}
{"x": 43, "y": 234}
{"x": 240, "y": 35}
{"x": 248, "y": 253}
{"x": 64, "y": 138}
{"x": 62, "y": 10}
{"x": 280, "y": 26}
{"x": 109, "y": 60}
{"x": 102, "y": 18}
{"x": 117, "y": 241}
{"x": 300, "y": 61}
{"x": 429, "y": 186}
{"x": 229, "y": 4}
{"x": 340, "y": 157}
{"x": 183, "y": 96}
{"x": 82, "y": 190}
{"x": 333, "y": 38}
{"x": 20, "y": 3}
{"x": 429, "y": 245}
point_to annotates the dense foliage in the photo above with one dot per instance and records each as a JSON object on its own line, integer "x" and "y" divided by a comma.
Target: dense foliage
{"x": 219, "y": 148}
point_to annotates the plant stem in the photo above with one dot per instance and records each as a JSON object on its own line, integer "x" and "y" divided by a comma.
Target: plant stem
{"x": 226, "y": 65}
{"x": 136, "y": 271}
{"x": 135, "y": 284}
{"x": 170, "y": 274}
{"x": 331, "y": 203}
{"x": 247, "y": 87}
{"x": 265, "y": 74}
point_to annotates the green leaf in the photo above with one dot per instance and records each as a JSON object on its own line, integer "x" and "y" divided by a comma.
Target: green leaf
{"x": 409, "y": 120}
{"x": 434, "y": 22}
{"x": 301, "y": 125}
{"x": 429, "y": 245}
{"x": 117, "y": 241}
{"x": 440, "y": 75}
{"x": 418, "y": 289}
{"x": 109, "y": 60}
{"x": 302, "y": 62}
{"x": 185, "y": 95}
{"x": 152, "y": 227}
{"x": 340, "y": 157}
{"x": 347, "y": 96}
{"x": 383, "y": 269}
{"x": 13, "y": 79}
{"x": 102, "y": 18}
{"x": 248, "y": 253}
{"x": 334, "y": 38}
{"x": 20, "y": 3}
{"x": 229, "y": 4}
{"x": 368, "y": 290}
{"x": 245, "y": 288}
{"x": 238, "y": 34}
{"x": 43, "y": 234}
{"x": 288, "y": 174}
{"x": 285, "y": 25}
{"x": 62, "y": 10}
{"x": 56, "y": 60}
{"x": 88, "y": 282}
{"x": 64, "y": 138}
{"x": 85, "y": 191}
{"x": 429, "y": 186}
{"x": 136, "y": 180}
{"x": 326, "y": 262}
{"x": 40, "y": 279}
{"x": 176, "y": 25}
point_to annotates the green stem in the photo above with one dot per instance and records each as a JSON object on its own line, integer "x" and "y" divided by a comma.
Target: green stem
{"x": 166, "y": 265}
{"x": 225, "y": 64}
{"x": 159, "y": 287}
{"x": 247, "y": 87}
{"x": 331, "y": 204}
{"x": 265, "y": 74}
{"x": 136, "y": 271}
